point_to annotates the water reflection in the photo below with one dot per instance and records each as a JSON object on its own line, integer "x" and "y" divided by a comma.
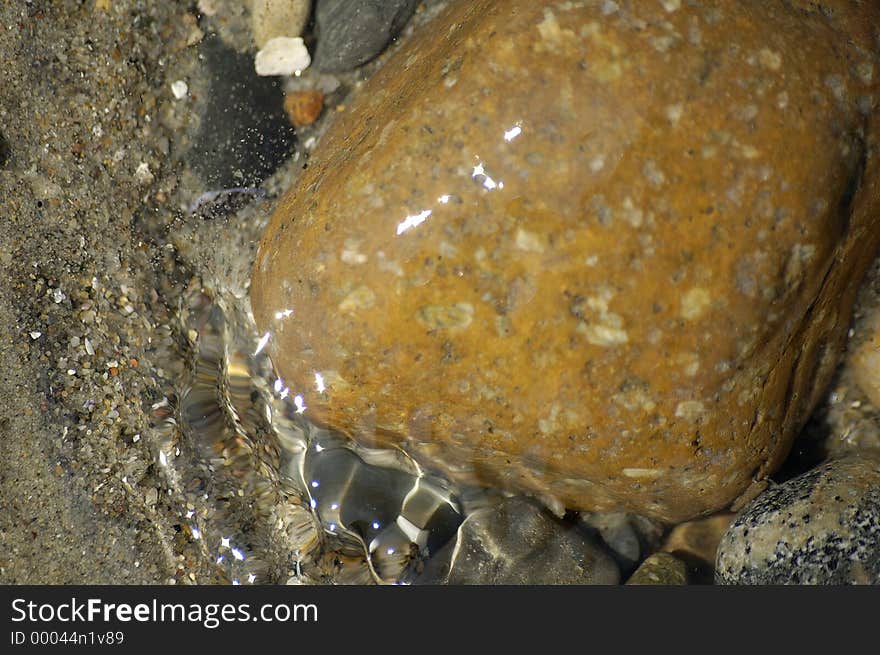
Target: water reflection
{"x": 273, "y": 498}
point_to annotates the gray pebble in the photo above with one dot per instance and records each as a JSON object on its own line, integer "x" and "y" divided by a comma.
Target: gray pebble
{"x": 518, "y": 542}
{"x": 627, "y": 536}
{"x": 244, "y": 135}
{"x": 351, "y": 32}
{"x": 822, "y": 527}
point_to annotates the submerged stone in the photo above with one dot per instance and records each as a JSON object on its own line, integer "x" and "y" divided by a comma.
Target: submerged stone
{"x": 518, "y": 542}
{"x": 660, "y": 569}
{"x": 603, "y": 253}
{"x": 352, "y": 32}
{"x": 822, "y": 527}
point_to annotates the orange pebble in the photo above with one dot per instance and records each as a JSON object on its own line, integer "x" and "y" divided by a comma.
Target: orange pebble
{"x": 304, "y": 107}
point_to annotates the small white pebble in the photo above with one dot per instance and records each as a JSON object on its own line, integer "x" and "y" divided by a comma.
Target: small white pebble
{"x": 282, "y": 56}
{"x": 36, "y": 334}
{"x": 143, "y": 174}
{"x": 179, "y": 89}
{"x": 57, "y": 295}
{"x": 89, "y": 349}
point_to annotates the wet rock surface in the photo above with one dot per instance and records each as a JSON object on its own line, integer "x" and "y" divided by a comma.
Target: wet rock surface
{"x": 518, "y": 542}
{"x": 696, "y": 544}
{"x": 660, "y": 569}
{"x": 639, "y": 314}
{"x": 822, "y": 527}
{"x": 244, "y": 136}
{"x": 352, "y": 32}
{"x": 628, "y": 537}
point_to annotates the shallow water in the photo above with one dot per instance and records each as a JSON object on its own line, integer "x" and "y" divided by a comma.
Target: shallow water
{"x": 219, "y": 488}
{"x": 258, "y": 478}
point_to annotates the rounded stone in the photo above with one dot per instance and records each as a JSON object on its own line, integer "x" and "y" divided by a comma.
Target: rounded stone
{"x": 518, "y": 542}
{"x": 660, "y": 569}
{"x": 822, "y": 527}
{"x": 352, "y": 32}
{"x": 604, "y": 253}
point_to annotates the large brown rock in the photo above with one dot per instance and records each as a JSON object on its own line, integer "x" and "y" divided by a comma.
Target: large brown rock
{"x": 604, "y": 252}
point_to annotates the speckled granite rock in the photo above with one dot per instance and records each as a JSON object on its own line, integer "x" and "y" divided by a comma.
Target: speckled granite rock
{"x": 822, "y": 527}
{"x": 605, "y": 253}
{"x": 352, "y": 32}
{"x": 660, "y": 569}
{"x": 516, "y": 542}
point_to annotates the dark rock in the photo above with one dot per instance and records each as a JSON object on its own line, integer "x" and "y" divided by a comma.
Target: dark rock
{"x": 822, "y": 527}
{"x": 398, "y": 517}
{"x": 244, "y": 134}
{"x": 4, "y": 151}
{"x": 352, "y": 32}
{"x": 518, "y": 542}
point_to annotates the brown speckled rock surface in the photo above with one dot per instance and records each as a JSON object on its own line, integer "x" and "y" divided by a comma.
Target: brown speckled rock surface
{"x": 603, "y": 252}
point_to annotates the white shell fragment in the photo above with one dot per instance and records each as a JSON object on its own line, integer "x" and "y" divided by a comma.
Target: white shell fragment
{"x": 179, "y": 89}
{"x": 274, "y": 18}
{"x": 282, "y": 56}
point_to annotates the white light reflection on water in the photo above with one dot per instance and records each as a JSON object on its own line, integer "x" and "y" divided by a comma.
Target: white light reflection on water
{"x": 512, "y": 133}
{"x": 262, "y": 343}
{"x": 413, "y": 221}
{"x": 488, "y": 183}
{"x": 300, "y": 404}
